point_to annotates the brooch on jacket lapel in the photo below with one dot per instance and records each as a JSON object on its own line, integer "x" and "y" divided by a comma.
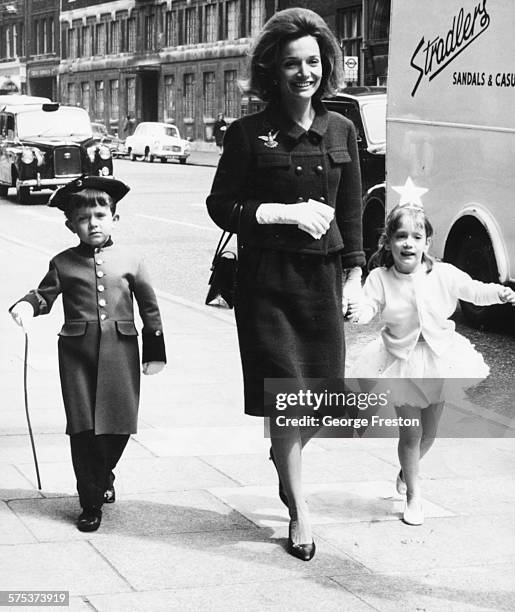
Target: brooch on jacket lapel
{"x": 270, "y": 139}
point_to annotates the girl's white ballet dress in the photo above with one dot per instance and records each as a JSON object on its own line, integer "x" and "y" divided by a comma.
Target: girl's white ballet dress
{"x": 418, "y": 341}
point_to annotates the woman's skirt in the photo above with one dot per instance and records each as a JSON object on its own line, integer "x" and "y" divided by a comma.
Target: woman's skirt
{"x": 289, "y": 320}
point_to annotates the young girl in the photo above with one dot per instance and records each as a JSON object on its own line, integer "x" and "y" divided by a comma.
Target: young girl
{"x": 416, "y": 296}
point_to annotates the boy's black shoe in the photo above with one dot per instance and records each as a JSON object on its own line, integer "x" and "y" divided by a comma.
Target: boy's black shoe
{"x": 90, "y": 519}
{"x": 109, "y": 496}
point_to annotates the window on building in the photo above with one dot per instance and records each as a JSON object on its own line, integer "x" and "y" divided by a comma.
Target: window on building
{"x": 72, "y": 43}
{"x": 232, "y": 20}
{"x": 100, "y": 39}
{"x": 209, "y": 94}
{"x": 257, "y": 16}
{"x": 85, "y": 96}
{"x": 51, "y": 35}
{"x": 45, "y": 36}
{"x": 349, "y": 33}
{"x": 42, "y": 42}
{"x": 191, "y": 26}
{"x": 210, "y": 24}
{"x": 86, "y": 41}
{"x": 114, "y": 37}
{"x": 171, "y": 29}
{"x": 230, "y": 93}
{"x": 72, "y": 94}
{"x": 130, "y": 89}
{"x": 131, "y": 34}
{"x": 169, "y": 109}
{"x": 99, "y": 100}
{"x": 150, "y": 25}
{"x": 113, "y": 100}
{"x": 189, "y": 96}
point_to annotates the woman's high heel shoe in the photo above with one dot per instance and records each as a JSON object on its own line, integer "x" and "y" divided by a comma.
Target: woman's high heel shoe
{"x": 304, "y": 552}
{"x": 282, "y": 493}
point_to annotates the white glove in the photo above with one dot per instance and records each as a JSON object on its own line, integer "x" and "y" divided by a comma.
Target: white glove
{"x": 23, "y": 313}
{"x": 313, "y": 217}
{"x": 507, "y": 295}
{"x": 153, "y": 367}
{"x": 352, "y": 293}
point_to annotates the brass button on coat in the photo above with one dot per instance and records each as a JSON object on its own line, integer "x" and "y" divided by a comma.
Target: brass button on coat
{"x": 100, "y": 273}
{"x": 319, "y": 169}
{"x": 298, "y": 170}
{"x": 100, "y": 288}
{"x": 102, "y": 302}
{"x": 321, "y": 199}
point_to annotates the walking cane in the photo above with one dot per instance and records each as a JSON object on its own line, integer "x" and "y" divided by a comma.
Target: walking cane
{"x": 25, "y": 368}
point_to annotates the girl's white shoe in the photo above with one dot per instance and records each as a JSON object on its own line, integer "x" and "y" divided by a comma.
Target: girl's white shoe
{"x": 413, "y": 512}
{"x": 400, "y": 485}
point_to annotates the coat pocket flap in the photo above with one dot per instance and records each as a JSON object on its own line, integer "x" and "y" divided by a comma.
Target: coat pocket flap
{"x": 274, "y": 160}
{"x": 126, "y": 328}
{"x": 339, "y": 156}
{"x": 74, "y": 328}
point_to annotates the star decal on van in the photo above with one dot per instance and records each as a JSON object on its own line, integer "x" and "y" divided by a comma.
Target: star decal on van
{"x": 410, "y": 193}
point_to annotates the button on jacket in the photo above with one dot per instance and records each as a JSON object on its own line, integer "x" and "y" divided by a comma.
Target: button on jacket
{"x": 269, "y": 158}
{"x": 98, "y": 346}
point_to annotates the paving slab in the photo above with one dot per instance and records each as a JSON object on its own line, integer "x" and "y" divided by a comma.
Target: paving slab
{"x": 49, "y": 447}
{"x": 136, "y": 475}
{"x": 318, "y": 467}
{"x": 194, "y": 441}
{"x": 328, "y": 503}
{"x": 216, "y": 559}
{"x": 14, "y": 485}
{"x": 441, "y": 542}
{"x": 464, "y": 589}
{"x": 304, "y": 594}
{"x": 64, "y": 566}
{"x": 53, "y": 519}
{"x": 12, "y": 530}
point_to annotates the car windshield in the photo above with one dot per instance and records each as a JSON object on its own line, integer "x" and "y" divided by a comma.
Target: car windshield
{"x": 62, "y": 123}
{"x": 165, "y": 130}
{"x": 99, "y": 129}
{"x": 374, "y": 118}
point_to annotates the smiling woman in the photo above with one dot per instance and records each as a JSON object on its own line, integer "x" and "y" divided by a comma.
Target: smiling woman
{"x": 294, "y": 170}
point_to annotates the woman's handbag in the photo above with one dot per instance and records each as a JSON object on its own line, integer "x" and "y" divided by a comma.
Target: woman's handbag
{"x": 224, "y": 270}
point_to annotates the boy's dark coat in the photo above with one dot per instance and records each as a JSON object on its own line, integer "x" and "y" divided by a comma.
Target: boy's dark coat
{"x": 98, "y": 346}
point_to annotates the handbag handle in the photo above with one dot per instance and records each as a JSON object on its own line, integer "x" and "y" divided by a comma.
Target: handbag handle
{"x": 226, "y": 236}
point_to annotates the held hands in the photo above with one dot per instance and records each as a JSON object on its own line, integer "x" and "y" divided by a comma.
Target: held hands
{"x": 507, "y": 295}
{"x": 153, "y": 367}
{"x": 23, "y": 313}
{"x": 352, "y": 294}
{"x": 312, "y": 216}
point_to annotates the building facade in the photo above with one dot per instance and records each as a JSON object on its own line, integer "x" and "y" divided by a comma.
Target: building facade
{"x": 179, "y": 61}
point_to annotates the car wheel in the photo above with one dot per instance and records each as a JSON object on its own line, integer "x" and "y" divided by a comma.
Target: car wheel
{"x": 475, "y": 256}
{"x": 163, "y": 160}
{"x": 183, "y": 160}
{"x": 23, "y": 195}
{"x": 4, "y": 190}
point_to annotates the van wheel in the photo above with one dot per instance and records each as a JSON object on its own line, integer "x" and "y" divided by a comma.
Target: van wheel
{"x": 4, "y": 190}
{"x": 183, "y": 160}
{"x": 23, "y": 195}
{"x": 475, "y": 256}
{"x": 163, "y": 160}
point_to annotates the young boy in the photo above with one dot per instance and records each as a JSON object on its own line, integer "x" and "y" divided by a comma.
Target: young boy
{"x": 98, "y": 345}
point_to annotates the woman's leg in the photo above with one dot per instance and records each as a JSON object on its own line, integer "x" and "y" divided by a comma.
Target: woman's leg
{"x": 287, "y": 444}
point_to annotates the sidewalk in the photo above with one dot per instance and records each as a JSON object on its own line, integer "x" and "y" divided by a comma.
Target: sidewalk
{"x": 198, "y": 525}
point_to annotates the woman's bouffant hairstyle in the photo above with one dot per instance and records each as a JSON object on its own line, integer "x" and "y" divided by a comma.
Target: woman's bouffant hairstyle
{"x": 283, "y": 27}
{"x": 89, "y": 198}
{"x": 383, "y": 256}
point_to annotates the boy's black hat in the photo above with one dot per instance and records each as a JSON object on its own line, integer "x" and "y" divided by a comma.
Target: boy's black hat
{"x": 113, "y": 187}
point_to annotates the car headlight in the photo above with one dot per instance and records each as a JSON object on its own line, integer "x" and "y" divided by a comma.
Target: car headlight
{"x": 27, "y": 156}
{"x": 104, "y": 152}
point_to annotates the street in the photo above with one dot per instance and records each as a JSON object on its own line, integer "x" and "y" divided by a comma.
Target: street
{"x": 165, "y": 215}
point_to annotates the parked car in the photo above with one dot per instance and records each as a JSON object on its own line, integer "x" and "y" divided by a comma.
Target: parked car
{"x": 366, "y": 108}
{"x": 153, "y": 140}
{"x": 45, "y": 145}
{"x": 101, "y": 135}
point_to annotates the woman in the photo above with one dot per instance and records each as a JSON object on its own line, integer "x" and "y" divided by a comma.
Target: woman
{"x": 289, "y": 183}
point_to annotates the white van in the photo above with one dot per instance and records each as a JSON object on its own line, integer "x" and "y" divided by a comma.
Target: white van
{"x": 451, "y": 130}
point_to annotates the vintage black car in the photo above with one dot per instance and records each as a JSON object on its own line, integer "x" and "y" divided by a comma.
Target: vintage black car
{"x": 45, "y": 145}
{"x": 366, "y": 108}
